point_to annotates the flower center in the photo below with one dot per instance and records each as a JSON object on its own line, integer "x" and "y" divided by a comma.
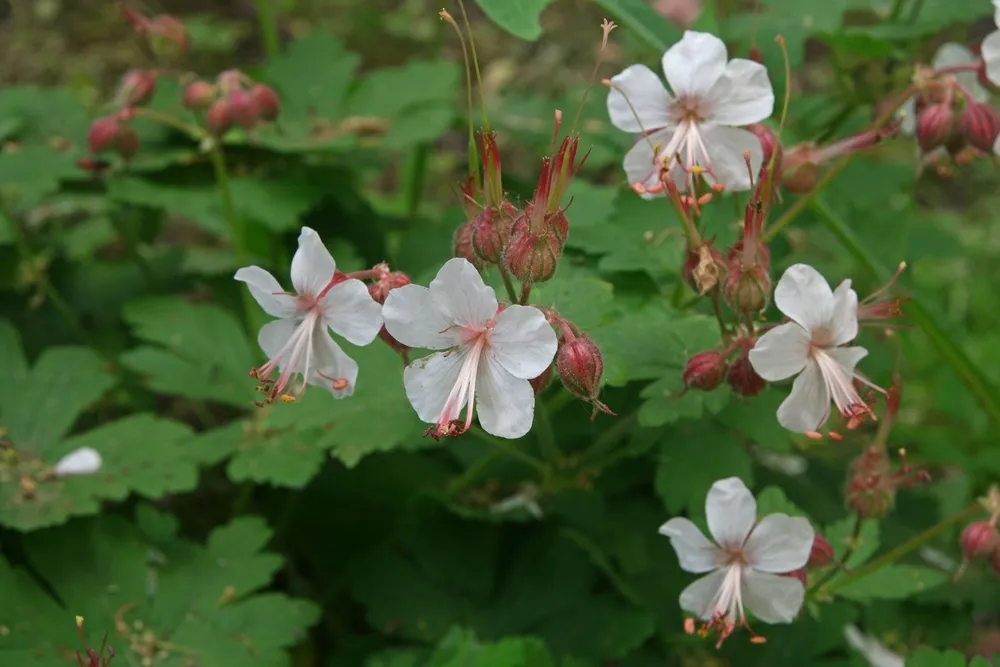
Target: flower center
{"x": 840, "y": 386}
{"x": 475, "y": 343}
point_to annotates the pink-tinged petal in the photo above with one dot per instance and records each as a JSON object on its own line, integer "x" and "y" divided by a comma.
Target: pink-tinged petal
{"x": 82, "y": 461}
{"x": 990, "y": 52}
{"x": 699, "y": 596}
{"x": 727, "y": 149}
{"x": 331, "y": 367}
{"x": 266, "y": 291}
{"x": 804, "y": 296}
{"x": 844, "y": 315}
{"x": 731, "y": 511}
{"x": 694, "y": 552}
{"x": 429, "y": 380}
{"x": 412, "y": 318}
{"x": 460, "y": 295}
{"x": 274, "y": 338}
{"x": 694, "y": 64}
{"x": 351, "y": 312}
{"x": 781, "y": 352}
{"x": 312, "y": 264}
{"x": 742, "y": 95}
{"x": 505, "y": 404}
{"x": 638, "y": 101}
{"x": 639, "y": 163}
{"x": 779, "y": 544}
{"x": 771, "y": 597}
{"x": 523, "y": 342}
{"x": 808, "y": 404}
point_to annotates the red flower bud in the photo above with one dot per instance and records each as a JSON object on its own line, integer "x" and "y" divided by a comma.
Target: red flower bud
{"x": 137, "y": 88}
{"x": 532, "y": 256}
{"x": 705, "y": 371}
{"x": 229, "y": 81}
{"x": 822, "y": 552}
{"x": 491, "y": 232}
{"x": 748, "y": 290}
{"x": 979, "y": 539}
{"x": 935, "y": 127}
{"x": 872, "y": 483}
{"x": 704, "y": 268}
{"x": 462, "y": 244}
{"x": 127, "y": 142}
{"x": 102, "y": 134}
{"x": 742, "y": 377}
{"x": 218, "y": 119}
{"x": 768, "y": 141}
{"x": 580, "y": 366}
{"x": 168, "y": 37}
{"x": 541, "y": 383}
{"x": 268, "y": 104}
{"x": 380, "y": 289}
{"x": 198, "y": 96}
{"x": 243, "y": 109}
{"x": 799, "y": 169}
{"x": 980, "y": 126}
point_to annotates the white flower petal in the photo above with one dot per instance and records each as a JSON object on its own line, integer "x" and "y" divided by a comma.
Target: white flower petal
{"x": 523, "y": 342}
{"x": 843, "y": 315}
{"x": 731, "y": 511}
{"x": 505, "y": 404}
{"x": 847, "y": 358}
{"x": 638, "y": 102}
{"x": 273, "y": 336}
{"x": 699, "y": 596}
{"x": 873, "y": 651}
{"x": 808, "y": 404}
{"x": 804, "y": 295}
{"x": 638, "y": 163}
{"x": 742, "y": 95}
{"x": 460, "y": 295}
{"x": 429, "y": 380}
{"x": 771, "y": 597}
{"x": 82, "y": 461}
{"x": 996, "y": 12}
{"x": 781, "y": 352}
{"x": 412, "y": 318}
{"x": 312, "y": 264}
{"x": 694, "y": 552}
{"x": 990, "y": 52}
{"x": 779, "y": 544}
{"x": 996, "y": 146}
{"x": 727, "y": 148}
{"x": 907, "y": 116}
{"x": 266, "y": 291}
{"x": 695, "y": 63}
{"x": 331, "y": 364}
{"x": 351, "y": 312}
{"x": 950, "y": 54}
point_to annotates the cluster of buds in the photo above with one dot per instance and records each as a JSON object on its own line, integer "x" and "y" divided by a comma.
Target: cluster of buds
{"x": 980, "y": 539}
{"x": 948, "y": 116}
{"x": 747, "y": 288}
{"x": 233, "y": 100}
{"x": 165, "y": 35}
{"x": 578, "y": 362}
{"x": 113, "y": 133}
{"x": 483, "y": 239}
{"x": 93, "y": 657}
{"x": 383, "y": 281}
{"x": 872, "y": 483}
{"x": 707, "y": 370}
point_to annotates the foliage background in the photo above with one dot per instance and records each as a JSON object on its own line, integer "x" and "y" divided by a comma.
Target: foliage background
{"x": 330, "y": 533}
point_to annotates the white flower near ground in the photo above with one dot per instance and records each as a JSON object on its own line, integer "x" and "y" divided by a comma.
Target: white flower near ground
{"x": 745, "y": 563}
{"x": 698, "y": 120}
{"x": 298, "y": 344}
{"x": 488, "y": 355}
{"x": 990, "y": 49}
{"x": 813, "y": 347}
{"x": 82, "y": 461}
{"x": 873, "y": 651}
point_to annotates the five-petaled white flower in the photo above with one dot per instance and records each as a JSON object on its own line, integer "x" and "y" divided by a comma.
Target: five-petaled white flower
{"x": 298, "y": 344}
{"x": 990, "y": 49}
{"x": 699, "y": 121}
{"x": 82, "y": 461}
{"x": 746, "y": 561}
{"x": 491, "y": 353}
{"x": 810, "y": 346}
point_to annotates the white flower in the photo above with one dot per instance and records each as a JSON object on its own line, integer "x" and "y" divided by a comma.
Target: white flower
{"x": 874, "y": 652}
{"x": 82, "y": 461}
{"x": 948, "y": 54}
{"x": 810, "y": 346}
{"x": 699, "y": 121}
{"x": 298, "y": 344}
{"x": 490, "y": 356}
{"x": 990, "y": 49}
{"x": 745, "y": 561}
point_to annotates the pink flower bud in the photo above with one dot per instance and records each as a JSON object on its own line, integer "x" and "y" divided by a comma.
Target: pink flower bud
{"x": 127, "y": 142}
{"x": 198, "y": 96}
{"x": 705, "y": 371}
{"x": 541, "y": 383}
{"x": 532, "y": 256}
{"x": 869, "y": 492}
{"x": 768, "y": 141}
{"x": 704, "y": 268}
{"x": 229, "y": 81}
{"x": 102, "y": 134}
{"x": 168, "y": 37}
{"x": 268, "y": 104}
{"x": 462, "y": 244}
{"x": 935, "y": 127}
{"x": 799, "y": 169}
{"x": 137, "y": 87}
{"x": 380, "y": 289}
{"x": 742, "y": 377}
{"x": 491, "y": 232}
{"x": 748, "y": 290}
{"x": 822, "y": 552}
{"x": 980, "y": 126}
{"x": 580, "y": 366}
{"x": 979, "y": 539}
{"x": 218, "y": 119}
{"x": 243, "y": 109}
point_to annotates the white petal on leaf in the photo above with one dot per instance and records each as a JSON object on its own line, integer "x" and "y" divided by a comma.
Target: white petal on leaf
{"x": 352, "y": 313}
{"x": 804, "y": 295}
{"x": 779, "y": 544}
{"x": 694, "y": 552}
{"x": 412, "y": 318}
{"x": 808, "y": 404}
{"x": 461, "y": 296}
{"x": 699, "y": 596}
{"x": 505, "y": 404}
{"x": 266, "y": 291}
{"x": 694, "y": 64}
{"x": 781, "y": 352}
{"x": 638, "y": 101}
{"x": 82, "y": 461}
{"x": 742, "y": 95}
{"x": 523, "y": 342}
{"x": 429, "y": 380}
{"x": 312, "y": 265}
{"x": 771, "y": 597}
{"x": 731, "y": 511}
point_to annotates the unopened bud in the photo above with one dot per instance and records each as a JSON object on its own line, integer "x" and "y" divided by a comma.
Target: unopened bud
{"x": 168, "y": 37}
{"x": 532, "y": 256}
{"x": 490, "y": 234}
{"x": 768, "y": 140}
{"x": 799, "y": 169}
{"x": 980, "y": 126}
{"x": 127, "y": 142}
{"x": 742, "y": 377}
{"x": 580, "y": 367}
{"x": 218, "y": 119}
{"x": 461, "y": 244}
{"x": 243, "y": 109}
{"x": 935, "y": 127}
{"x": 541, "y": 383}
{"x": 822, "y": 552}
{"x": 748, "y": 290}
{"x": 705, "y": 371}
{"x": 268, "y": 104}
{"x": 704, "y": 268}
{"x": 102, "y": 134}
{"x": 979, "y": 539}
{"x": 870, "y": 488}
{"x": 137, "y": 88}
{"x": 380, "y": 289}
{"x": 198, "y": 96}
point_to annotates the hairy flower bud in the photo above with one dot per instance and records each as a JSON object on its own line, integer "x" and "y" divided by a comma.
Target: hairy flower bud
{"x": 822, "y": 552}
{"x": 935, "y": 127}
{"x": 491, "y": 232}
{"x": 580, "y": 366}
{"x": 268, "y": 104}
{"x": 705, "y": 371}
{"x": 137, "y": 87}
{"x": 704, "y": 268}
{"x": 243, "y": 109}
{"x": 868, "y": 492}
{"x": 102, "y": 134}
{"x": 532, "y": 256}
{"x": 980, "y": 126}
{"x": 542, "y": 382}
{"x": 198, "y": 96}
{"x": 462, "y": 246}
{"x": 979, "y": 539}
{"x": 748, "y": 290}
{"x": 218, "y": 119}
{"x": 742, "y": 377}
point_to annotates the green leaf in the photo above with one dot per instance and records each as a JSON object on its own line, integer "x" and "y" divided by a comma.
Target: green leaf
{"x": 772, "y": 499}
{"x": 182, "y": 603}
{"x": 682, "y": 480}
{"x": 578, "y": 295}
{"x": 863, "y": 546}
{"x": 461, "y": 648}
{"x": 893, "y": 582}
{"x": 312, "y": 77}
{"x": 196, "y": 350}
{"x": 518, "y": 17}
{"x": 927, "y": 657}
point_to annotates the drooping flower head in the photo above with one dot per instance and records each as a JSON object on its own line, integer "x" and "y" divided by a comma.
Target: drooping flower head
{"x": 745, "y": 562}
{"x": 298, "y": 344}
{"x": 696, "y": 126}
{"x": 813, "y": 346}
{"x": 487, "y": 354}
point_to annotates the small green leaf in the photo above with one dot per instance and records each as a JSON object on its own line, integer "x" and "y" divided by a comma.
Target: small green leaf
{"x": 461, "y": 648}
{"x": 518, "y": 17}
{"x": 772, "y": 499}
{"x": 893, "y": 582}
{"x": 682, "y": 480}
{"x": 840, "y": 535}
{"x": 927, "y": 657}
